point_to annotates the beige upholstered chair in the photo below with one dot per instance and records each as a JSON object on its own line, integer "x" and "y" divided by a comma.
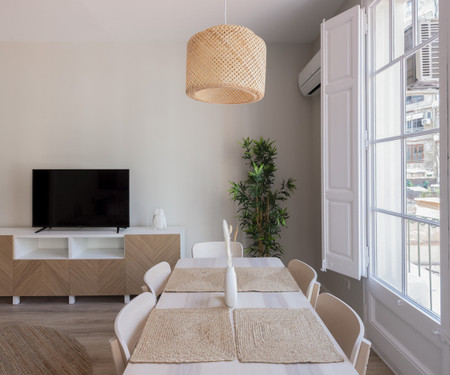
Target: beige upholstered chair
{"x": 216, "y": 249}
{"x": 156, "y": 278}
{"x": 128, "y": 326}
{"x": 304, "y": 275}
{"x": 315, "y": 294}
{"x": 343, "y": 322}
{"x": 363, "y": 357}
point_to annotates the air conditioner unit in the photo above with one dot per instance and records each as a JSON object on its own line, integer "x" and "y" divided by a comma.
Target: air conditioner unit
{"x": 428, "y": 56}
{"x": 309, "y": 77}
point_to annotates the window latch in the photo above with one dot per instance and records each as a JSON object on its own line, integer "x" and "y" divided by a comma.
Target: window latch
{"x": 444, "y": 339}
{"x": 366, "y": 139}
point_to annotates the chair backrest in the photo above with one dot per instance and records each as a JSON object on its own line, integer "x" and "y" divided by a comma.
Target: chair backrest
{"x": 343, "y": 322}
{"x": 216, "y": 249}
{"x": 131, "y": 321}
{"x": 304, "y": 275}
{"x": 315, "y": 294}
{"x": 363, "y": 357}
{"x": 156, "y": 277}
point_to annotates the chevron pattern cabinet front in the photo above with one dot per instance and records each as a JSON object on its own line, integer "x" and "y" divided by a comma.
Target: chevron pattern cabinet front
{"x": 41, "y": 277}
{"x": 82, "y": 263}
{"x": 6, "y": 269}
{"x": 143, "y": 252}
{"x": 102, "y": 277}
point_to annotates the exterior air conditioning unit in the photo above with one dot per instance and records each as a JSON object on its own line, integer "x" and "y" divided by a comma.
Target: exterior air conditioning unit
{"x": 309, "y": 77}
{"x": 427, "y": 58}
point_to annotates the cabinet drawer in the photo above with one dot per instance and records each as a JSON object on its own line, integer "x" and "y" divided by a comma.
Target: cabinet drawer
{"x": 41, "y": 277}
{"x": 97, "y": 277}
{"x": 144, "y": 251}
{"x": 6, "y": 267}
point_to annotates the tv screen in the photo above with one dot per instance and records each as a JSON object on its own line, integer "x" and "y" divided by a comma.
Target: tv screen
{"x": 81, "y": 198}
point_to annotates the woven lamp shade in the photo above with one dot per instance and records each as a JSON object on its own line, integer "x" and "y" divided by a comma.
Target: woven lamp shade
{"x": 226, "y": 64}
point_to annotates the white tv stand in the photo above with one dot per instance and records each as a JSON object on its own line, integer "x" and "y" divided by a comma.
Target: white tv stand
{"x": 72, "y": 263}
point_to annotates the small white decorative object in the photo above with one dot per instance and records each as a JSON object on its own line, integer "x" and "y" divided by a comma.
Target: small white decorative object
{"x": 159, "y": 219}
{"x": 230, "y": 276}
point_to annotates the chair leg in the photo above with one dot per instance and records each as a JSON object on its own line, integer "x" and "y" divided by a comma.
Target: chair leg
{"x": 117, "y": 356}
{"x": 363, "y": 357}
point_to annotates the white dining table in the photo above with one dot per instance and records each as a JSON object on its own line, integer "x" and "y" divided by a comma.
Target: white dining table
{"x": 245, "y": 300}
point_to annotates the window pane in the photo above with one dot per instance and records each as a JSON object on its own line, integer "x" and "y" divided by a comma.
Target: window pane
{"x": 422, "y": 176}
{"x": 428, "y": 19}
{"x": 388, "y": 262}
{"x": 423, "y": 264}
{"x": 388, "y": 176}
{"x": 403, "y": 33}
{"x": 388, "y": 106}
{"x": 422, "y": 70}
{"x": 381, "y": 35}
{"x": 422, "y": 110}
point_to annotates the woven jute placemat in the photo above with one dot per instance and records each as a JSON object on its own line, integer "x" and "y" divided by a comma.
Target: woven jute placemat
{"x": 185, "y": 336}
{"x": 282, "y": 336}
{"x": 196, "y": 280}
{"x": 265, "y": 279}
{"x": 37, "y": 350}
{"x": 249, "y": 279}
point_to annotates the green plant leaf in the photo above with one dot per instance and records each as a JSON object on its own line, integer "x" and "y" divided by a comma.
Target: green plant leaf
{"x": 259, "y": 212}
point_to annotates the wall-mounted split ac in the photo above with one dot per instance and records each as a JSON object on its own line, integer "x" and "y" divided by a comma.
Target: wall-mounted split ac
{"x": 309, "y": 77}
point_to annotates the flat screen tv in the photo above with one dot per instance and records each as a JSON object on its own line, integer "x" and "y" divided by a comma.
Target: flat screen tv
{"x": 81, "y": 198}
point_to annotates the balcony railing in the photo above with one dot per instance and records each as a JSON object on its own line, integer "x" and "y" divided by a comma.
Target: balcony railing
{"x": 423, "y": 264}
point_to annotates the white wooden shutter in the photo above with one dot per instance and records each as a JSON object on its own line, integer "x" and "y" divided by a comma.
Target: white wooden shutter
{"x": 343, "y": 144}
{"x": 428, "y": 56}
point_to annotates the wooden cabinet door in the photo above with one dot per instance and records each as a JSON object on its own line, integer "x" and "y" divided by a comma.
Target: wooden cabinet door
{"x": 6, "y": 265}
{"x": 100, "y": 277}
{"x": 143, "y": 252}
{"x": 41, "y": 277}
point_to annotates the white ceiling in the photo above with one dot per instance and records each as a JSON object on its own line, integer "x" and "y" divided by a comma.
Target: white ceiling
{"x": 293, "y": 21}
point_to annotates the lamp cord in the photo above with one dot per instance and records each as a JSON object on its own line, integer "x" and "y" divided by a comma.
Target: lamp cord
{"x": 225, "y": 10}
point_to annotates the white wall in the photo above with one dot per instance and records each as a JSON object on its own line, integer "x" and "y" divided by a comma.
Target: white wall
{"x": 67, "y": 105}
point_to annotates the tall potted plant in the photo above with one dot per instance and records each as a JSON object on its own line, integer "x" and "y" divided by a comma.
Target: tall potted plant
{"x": 260, "y": 212}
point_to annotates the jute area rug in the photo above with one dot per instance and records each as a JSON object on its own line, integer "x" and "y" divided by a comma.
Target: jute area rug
{"x": 36, "y": 350}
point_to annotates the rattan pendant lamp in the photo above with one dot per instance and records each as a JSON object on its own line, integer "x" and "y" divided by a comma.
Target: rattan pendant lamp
{"x": 226, "y": 64}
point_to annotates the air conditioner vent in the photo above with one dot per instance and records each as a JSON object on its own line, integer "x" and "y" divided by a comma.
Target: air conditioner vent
{"x": 309, "y": 77}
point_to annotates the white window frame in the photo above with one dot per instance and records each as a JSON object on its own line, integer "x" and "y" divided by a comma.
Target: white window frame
{"x": 372, "y": 210}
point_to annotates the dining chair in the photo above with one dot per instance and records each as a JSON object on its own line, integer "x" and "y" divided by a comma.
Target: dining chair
{"x": 363, "y": 357}
{"x": 343, "y": 322}
{"x": 304, "y": 275}
{"x": 128, "y": 326}
{"x": 315, "y": 294}
{"x": 216, "y": 249}
{"x": 156, "y": 278}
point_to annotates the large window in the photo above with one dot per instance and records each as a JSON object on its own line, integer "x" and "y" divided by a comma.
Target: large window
{"x": 404, "y": 133}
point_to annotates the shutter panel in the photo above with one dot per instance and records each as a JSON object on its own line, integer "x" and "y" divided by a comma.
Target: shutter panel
{"x": 428, "y": 56}
{"x": 343, "y": 144}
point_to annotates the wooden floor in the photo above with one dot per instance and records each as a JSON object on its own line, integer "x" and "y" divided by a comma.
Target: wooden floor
{"x": 91, "y": 320}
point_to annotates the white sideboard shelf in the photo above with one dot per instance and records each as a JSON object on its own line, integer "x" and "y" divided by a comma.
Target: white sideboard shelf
{"x": 102, "y": 253}
{"x": 41, "y": 248}
{"x": 97, "y": 248}
{"x": 60, "y": 243}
